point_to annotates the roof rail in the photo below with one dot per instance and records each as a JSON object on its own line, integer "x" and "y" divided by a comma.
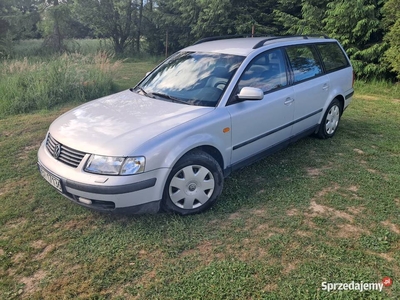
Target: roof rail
{"x": 222, "y": 37}
{"x": 261, "y": 43}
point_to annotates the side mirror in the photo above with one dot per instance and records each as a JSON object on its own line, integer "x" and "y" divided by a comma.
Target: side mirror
{"x": 250, "y": 93}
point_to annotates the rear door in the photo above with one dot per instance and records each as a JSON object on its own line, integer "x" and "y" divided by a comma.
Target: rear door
{"x": 311, "y": 87}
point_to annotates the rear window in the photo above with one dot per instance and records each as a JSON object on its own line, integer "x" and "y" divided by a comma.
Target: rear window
{"x": 332, "y": 56}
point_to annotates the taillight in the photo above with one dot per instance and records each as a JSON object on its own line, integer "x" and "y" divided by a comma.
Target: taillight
{"x": 354, "y": 78}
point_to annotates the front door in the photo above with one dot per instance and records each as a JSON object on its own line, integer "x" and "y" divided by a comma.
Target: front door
{"x": 259, "y": 126}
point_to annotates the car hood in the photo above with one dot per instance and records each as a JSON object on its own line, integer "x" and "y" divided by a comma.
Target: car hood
{"x": 119, "y": 123}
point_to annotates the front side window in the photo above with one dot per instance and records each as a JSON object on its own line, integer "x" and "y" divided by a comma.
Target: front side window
{"x": 192, "y": 78}
{"x": 266, "y": 72}
{"x": 304, "y": 62}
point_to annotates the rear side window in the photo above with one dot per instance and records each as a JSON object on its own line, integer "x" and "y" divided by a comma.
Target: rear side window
{"x": 304, "y": 62}
{"x": 332, "y": 57}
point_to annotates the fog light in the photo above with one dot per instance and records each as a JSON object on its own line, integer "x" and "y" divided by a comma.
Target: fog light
{"x": 85, "y": 201}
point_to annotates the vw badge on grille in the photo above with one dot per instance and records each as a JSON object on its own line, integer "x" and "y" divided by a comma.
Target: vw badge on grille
{"x": 57, "y": 151}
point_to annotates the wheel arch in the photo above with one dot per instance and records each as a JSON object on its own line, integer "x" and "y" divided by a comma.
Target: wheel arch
{"x": 341, "y": 100}
{"x": 211, "y": 150}
{"x": 212, "y": 160}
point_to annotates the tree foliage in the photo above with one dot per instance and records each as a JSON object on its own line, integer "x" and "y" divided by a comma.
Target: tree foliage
{"x": 357, "y": 24}
{"x": 391, "y": 12}
{"x": 18, "y": 20}
{"x": 114, "y": 19}
{"x": 369, "y": 30}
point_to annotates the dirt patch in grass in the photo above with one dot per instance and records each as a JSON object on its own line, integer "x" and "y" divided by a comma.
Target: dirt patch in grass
{"x": 318, "y": 209}
{"x": 18, "y": 257}
{"x": 292, "y": 212}
{"x": 235, "y": 216}
{"x": 82, "y": 222}
{"x": 349, "y": 231}
{"x": 24, "y": 153}
{"x": 48, "y": 249}
{"x": 289, "y": 268}
{"x": 119, "y": 292}
{"x": 315, "y": 209}
{"x": 38, "y": 244}
{"x": 316, "y": 172}
{"x": 353, "y": 188}
{"x": 303, "y": 233}
{"x": 259, "y": 212}
{"x": 252, "y": 246}
{"x": 32, "y": 282}
{"x": 11, "y": 185}
{"x": 385, "y": 255}
{"x": 270, "y": 287}
{"x": 391, "y": 226}
{"x": 206, "y": 251}
{"x": 15, "y": 223}
{"x": 368, "y": 97}
{"x": 359, "y": 151}
{"x": 356, "y": 210}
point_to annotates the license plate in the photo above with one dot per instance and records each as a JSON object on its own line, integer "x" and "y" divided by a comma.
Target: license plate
{"x": 50, "y": 178}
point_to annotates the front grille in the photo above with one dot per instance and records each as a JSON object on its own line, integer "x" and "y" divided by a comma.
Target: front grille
{"x": 63, "y": 153}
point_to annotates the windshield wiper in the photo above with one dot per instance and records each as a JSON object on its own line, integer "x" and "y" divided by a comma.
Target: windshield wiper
{"x": 140, "y": 89}
{"x": 151, "y": 95}
{"x": 174, "y": 99}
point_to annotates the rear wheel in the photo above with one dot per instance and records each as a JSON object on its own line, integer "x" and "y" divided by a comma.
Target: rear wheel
{"x": 193, "y": 185}
{"x": 330, "y": 121}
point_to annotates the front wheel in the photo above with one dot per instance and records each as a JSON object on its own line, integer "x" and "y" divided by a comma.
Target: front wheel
{"x": 330, "y": 121}
{"x": 193, "y": 185}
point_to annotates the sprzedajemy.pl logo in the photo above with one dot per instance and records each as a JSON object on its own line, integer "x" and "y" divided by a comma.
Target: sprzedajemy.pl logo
{"x": 356, "y": 286}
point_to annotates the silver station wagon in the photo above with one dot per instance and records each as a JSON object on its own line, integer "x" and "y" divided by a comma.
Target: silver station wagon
{"x": 209, "y": 109}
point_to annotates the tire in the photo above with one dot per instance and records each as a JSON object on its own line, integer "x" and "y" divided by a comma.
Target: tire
{"x": 331, "y": 119}
{"x": 193, "y": 185}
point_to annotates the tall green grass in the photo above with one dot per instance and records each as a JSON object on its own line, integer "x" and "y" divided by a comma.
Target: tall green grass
{"x": 379, "y": 88}
{"x": 34, "y": 47}
{"x": 27, "y": 85}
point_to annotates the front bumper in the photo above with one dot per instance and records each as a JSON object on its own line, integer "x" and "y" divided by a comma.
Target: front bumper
{"x": 140, "y": 193}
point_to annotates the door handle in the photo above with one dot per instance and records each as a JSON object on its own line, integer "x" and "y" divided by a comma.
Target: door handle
{"x": 325, "y": 87}
{"x": 288, "y": 101}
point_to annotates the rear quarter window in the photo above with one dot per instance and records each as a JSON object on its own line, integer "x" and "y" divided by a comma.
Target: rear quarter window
{"x": 332, "y": 56}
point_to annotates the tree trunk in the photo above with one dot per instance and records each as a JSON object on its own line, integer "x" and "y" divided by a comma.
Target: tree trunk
{"x": 139, "y": 26}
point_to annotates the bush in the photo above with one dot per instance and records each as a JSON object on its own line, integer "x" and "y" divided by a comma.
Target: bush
{"x": 27, "y": 85}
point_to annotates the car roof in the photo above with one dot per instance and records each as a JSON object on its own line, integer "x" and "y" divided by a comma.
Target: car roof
{"x": 244, "y": 46}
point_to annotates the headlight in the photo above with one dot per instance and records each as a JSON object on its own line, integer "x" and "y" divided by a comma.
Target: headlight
{"x": 109, "y": 165}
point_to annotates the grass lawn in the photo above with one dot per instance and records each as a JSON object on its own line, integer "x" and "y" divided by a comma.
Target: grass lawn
{"x": 318, "y": 211}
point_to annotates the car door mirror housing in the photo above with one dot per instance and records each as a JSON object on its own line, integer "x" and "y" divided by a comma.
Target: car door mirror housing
{"x": 250, "y": 93}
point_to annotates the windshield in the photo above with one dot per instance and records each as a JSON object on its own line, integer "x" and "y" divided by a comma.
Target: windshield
{"x": 192, "y": 78}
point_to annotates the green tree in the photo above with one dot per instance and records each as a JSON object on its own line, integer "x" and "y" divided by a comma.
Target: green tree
{"x": 186, "y": 21}
{"x": 114, "y": 19}
{"x": 357, "y": 25}
{"x": 151, "y": 29}
{"x": 391, "y": 12}
{"x": 18, "y": 20}
{"x": 55, "y": 24}
{"x": 302, "y": 17}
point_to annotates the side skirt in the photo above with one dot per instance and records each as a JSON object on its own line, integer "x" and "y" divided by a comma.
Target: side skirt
{"x": 269, "y": 151}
